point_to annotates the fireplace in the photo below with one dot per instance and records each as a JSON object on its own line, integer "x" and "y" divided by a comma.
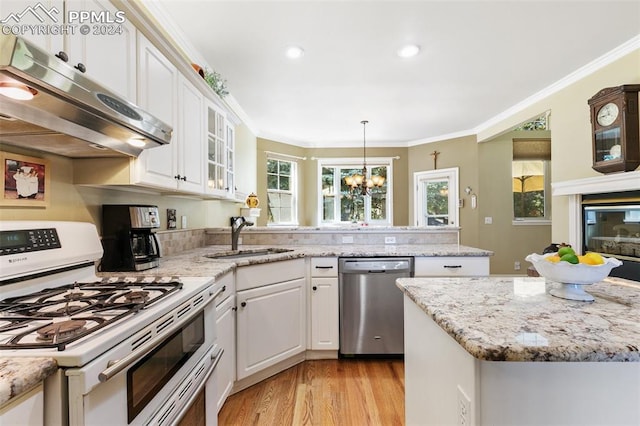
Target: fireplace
{"x": 604, "y": 216}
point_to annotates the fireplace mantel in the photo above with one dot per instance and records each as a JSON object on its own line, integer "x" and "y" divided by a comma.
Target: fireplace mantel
{"x": 574, "y": 189}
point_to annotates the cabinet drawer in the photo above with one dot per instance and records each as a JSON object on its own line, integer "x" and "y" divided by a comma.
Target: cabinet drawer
{"x": 451, "y": 266}
{"x": 324, "y": 266}
{"x": 227, "y": 283}
{"x": 269, "y": 273}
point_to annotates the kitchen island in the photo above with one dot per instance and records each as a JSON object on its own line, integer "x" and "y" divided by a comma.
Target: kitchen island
{"x": 503, "y": 351}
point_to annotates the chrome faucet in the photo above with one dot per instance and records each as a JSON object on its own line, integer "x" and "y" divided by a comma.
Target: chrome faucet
{"x": 237, "y": 223}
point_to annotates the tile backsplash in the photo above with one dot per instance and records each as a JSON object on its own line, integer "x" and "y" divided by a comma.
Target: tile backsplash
{"x": 176, "y": 241}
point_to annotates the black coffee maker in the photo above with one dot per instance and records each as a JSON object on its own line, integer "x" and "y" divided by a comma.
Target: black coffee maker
{"x": 127, "y": 238}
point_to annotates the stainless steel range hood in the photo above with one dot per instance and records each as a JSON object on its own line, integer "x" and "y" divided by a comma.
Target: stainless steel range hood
{"x": 70, "y": 114}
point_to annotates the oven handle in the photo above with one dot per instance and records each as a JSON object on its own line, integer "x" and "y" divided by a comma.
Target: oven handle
{"x": 116, "y": 366}
{"x": 217, "y": 357}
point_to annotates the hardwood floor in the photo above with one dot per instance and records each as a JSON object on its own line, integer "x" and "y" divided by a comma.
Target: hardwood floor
{"x": 323, "y": 392}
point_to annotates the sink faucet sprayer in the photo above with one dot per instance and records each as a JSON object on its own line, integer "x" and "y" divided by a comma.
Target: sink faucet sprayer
{"x": 237, "y": 223}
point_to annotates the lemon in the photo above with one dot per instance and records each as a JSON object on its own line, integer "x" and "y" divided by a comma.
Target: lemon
{"x": 565, "y": 250}
{"x": 553, "y": 259}
{"x": 569, "y": 257}
{"x": 592, "y": 258}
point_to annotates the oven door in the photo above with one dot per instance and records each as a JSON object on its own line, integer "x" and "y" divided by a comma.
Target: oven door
{"x": 153, "y": 384}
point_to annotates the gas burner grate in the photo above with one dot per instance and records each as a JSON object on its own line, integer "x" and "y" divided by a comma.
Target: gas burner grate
{"x": 98, "y": 303}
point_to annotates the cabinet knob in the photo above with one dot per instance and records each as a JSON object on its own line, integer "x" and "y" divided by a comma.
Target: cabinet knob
{"x": 243, "y": 304}
{"x": 80, "y": 67}
{"x": 63, "y": 56}
{"x": 177, "y": 177}
{"x": 184, "y": 178}
{"x": 314, "y": 288}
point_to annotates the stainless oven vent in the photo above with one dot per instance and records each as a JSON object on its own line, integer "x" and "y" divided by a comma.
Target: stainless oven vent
{"x": 69, "y": 114}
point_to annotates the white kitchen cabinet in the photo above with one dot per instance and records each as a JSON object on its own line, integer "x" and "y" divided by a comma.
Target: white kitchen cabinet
{"x": 25, "y": 409}
{"x": 108, "y": 51}
{"x": 50, "y": 13}
{"x": 190, "y": 167}
{"x": 324, "y": 304}
{"x": 168, "y": 95}
{"x": 451, "y": 266}
{"x": 157, "y": 94}
{"x": 220, "y": 153}
{"x": 225, "y": 374}
{"x": 271, "y": 316}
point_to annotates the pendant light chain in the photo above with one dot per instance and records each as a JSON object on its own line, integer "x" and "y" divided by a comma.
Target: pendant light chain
{"x": 359, "y": 183}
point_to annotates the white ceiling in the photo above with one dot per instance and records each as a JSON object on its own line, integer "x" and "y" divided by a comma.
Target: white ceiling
{"x": 478, "y": 59}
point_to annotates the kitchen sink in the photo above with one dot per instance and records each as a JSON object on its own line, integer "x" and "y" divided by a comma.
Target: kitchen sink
{"x": 239, "y": 254}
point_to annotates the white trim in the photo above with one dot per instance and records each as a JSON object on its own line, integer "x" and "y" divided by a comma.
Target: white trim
{"x": 293, "y": 182}
{"x": 616, "y": 182}
{"x": 286, "y": 157}
{"x": 533, "y": 222}
{"x": 574, "y": 189}
{"x": 354, "y": 162}
{"x": 582, "y": 72}
{"x": 454, "y": 194}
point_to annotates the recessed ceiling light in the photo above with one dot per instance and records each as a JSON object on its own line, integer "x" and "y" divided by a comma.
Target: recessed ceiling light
{"x": 294, "y": 52}
{"x": 408, "y": 51}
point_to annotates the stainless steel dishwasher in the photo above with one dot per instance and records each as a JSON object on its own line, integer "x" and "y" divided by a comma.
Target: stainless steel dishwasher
{"x": 371, "y": 305}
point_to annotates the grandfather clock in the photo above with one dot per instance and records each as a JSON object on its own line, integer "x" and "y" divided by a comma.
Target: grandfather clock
{"x": 615, "y": 130}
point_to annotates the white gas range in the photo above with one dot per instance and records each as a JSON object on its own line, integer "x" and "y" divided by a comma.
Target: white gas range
{"x": 131, "y": 350}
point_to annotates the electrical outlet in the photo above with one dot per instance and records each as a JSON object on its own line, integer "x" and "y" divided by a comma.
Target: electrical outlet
{"x": 516, "y": 266}
{"x": 464, "y": 408}
{"x": 347, "y": 240}
{"x": 389, "y": 240}
{"x": 488, "y": 220}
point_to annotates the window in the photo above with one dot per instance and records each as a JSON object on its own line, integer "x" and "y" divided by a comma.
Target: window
{"x": 281, "y": 192}
{"x": 530, "y": 175}
{"x": 338, "y": 204}
{"x": 436, "y": 197}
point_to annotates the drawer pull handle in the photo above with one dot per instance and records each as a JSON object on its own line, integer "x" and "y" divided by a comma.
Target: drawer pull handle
{"x": 453, "y": 266}
{"x": 324, "y": 267}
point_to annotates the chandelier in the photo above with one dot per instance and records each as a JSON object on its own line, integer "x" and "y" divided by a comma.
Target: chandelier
{"x": 359, "y": 182}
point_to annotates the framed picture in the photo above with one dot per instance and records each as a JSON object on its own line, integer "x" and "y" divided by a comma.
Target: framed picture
{"x": 26, "y": 181}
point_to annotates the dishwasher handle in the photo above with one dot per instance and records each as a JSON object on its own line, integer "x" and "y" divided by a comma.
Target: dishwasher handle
{"x": 374, "y": 265}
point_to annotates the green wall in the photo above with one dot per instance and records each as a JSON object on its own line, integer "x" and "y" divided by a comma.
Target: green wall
{"x": 308, "y": 177}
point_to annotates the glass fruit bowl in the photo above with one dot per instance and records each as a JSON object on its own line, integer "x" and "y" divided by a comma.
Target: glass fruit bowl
{"x": 572, "y": 276}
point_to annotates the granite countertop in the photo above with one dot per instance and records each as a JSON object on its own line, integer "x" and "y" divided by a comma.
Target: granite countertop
{"x": 516, "y": 319}
{"x": 18, "y": 375}
{"x": 195, "y": 263}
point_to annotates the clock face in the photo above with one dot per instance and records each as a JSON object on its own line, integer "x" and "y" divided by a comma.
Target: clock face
{"x": 607, "y": 114}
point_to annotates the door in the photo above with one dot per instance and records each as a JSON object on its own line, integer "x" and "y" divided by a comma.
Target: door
{"x": 115, "y": 72}
{"x": 271, "y": 325}
{"x": 157, "y": 93}
{"x": 436, "y": 197}
{"x": 225, "y": 374}
{"x": 190, "y": 141}
{"x": 324, "y": 313}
